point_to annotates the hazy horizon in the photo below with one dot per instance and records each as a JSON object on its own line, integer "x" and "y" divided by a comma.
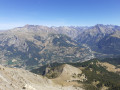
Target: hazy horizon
{"x": 17, "y": 13}
{"x": 53, "y": 26}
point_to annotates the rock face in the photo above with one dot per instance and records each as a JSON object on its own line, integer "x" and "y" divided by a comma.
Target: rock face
{"x": 19, "y": 79}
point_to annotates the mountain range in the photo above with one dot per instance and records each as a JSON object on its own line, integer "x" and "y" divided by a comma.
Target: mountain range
{"x": 32, "y": 46}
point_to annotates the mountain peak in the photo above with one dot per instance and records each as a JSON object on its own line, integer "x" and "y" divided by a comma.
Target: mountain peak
{"x": 99, "y": 25}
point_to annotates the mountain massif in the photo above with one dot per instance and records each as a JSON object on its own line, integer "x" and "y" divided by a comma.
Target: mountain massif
{"x": 102, "y": 39}
{"x": 33, "y": 45}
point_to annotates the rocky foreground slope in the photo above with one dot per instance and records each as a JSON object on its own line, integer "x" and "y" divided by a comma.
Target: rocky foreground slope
{"x": 19, "y": 79}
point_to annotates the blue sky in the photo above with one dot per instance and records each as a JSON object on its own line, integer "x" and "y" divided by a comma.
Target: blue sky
{"x": 15, "y": 13}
